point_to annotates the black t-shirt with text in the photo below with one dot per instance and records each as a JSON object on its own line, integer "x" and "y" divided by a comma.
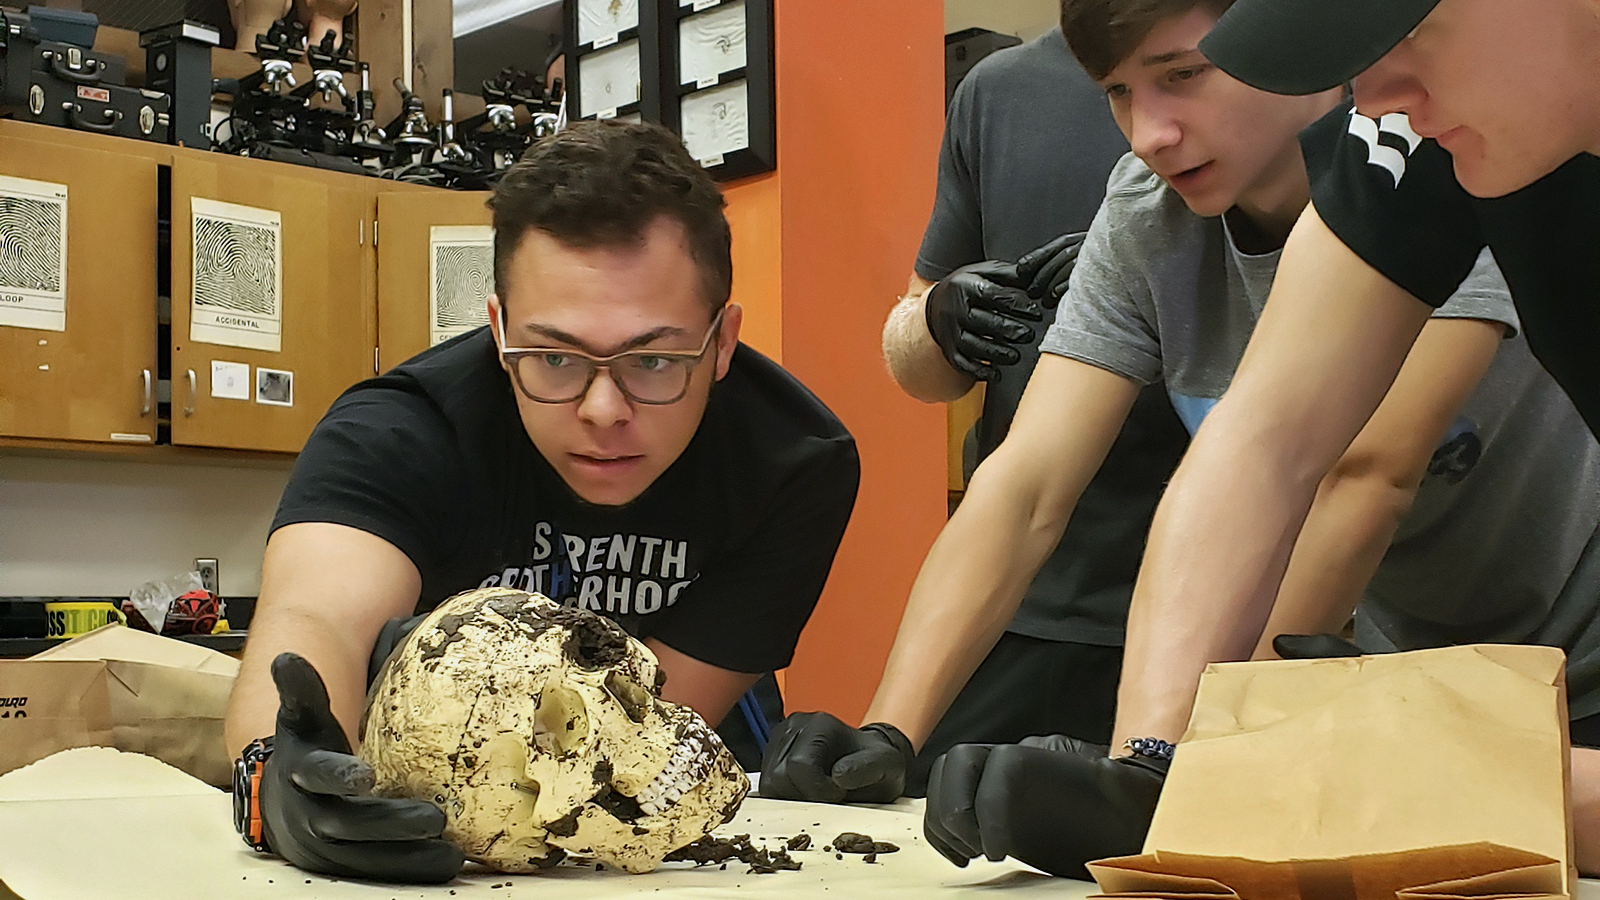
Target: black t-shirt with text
{"x": 1392, "y": 197}
{"x": 722, "y": 558}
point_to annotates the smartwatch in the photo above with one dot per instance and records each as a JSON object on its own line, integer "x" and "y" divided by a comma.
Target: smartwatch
{"x": 247, "y": 793}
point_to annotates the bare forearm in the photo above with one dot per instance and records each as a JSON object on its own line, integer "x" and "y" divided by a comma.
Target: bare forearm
{"x": 1218, "y": 548}
{"x": 1345, "y": 537}
{"x": 1362, "y": 500}
{"x": 965, "y": 594}
{"x": 1010, "y": 521}
{"x": 326, "y": 590}
{"x": 1586, "y": 809}
{"x": 253, "y": 707}
{"x": 915, "y": 360}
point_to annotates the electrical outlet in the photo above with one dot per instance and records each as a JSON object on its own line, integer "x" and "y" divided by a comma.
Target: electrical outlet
{"x": 210, "y": 575}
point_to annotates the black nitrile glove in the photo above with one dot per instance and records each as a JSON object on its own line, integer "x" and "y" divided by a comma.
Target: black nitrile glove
{"x": 814, "y": 756}
{"x": 391, "y": 635}
{"x": 314, "y": 808}
{"x": 1052, "y": 809}
{"x": 1063, "y": 742}
{"x": 1313, "y": 646}
{"x": 1047, "y": 268}
{"x": 977, "y": 313}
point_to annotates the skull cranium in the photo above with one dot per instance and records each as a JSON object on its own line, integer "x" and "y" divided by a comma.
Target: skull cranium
{"x": 539, "y": 730}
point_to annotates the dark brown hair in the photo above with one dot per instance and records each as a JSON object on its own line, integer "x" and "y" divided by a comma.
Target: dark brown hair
{"x": 599, "y": 184}
{"x": 1103, "y": 33}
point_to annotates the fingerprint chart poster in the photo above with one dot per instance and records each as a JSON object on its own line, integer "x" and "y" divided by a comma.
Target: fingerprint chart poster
{"x": 33, "y": 254}
{"x": 237, "y": 292}
{"x": 460, "y": 278}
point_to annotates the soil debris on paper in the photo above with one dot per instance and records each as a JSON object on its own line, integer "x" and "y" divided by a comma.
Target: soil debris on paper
{"x": 714, "y": 850}
{"x": 851, "y": 842}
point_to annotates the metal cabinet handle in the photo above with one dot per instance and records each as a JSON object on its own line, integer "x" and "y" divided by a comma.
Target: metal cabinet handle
{"x": 188, "y": 408}
{"x": 149, "y": 393}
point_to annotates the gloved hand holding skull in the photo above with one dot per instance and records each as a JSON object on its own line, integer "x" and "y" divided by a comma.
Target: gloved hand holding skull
{"x": 540, "y": 732}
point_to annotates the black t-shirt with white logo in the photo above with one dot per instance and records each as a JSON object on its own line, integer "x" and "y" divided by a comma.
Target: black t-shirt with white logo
{"x": 1393, "y": 199}
{"x": 722, "y": 558}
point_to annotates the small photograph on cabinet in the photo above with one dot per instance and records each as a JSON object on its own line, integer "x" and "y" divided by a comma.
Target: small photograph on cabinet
{"x": 274, "y": 387}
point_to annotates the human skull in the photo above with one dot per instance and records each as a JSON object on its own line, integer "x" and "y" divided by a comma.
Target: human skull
{"x": 539, "y": 730}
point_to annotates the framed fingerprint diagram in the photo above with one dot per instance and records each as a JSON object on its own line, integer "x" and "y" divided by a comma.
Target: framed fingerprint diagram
{"x": 720, "y": 97}
{"x": 612, "y": 56}
{"x": 237, "y": 277}
{"x": 460, "y": 279}
{"x": 703, "y": 68}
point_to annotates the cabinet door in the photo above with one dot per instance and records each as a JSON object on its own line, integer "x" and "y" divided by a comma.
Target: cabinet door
{"x": 424, "y": 257}
{"x": 254, "y": 397}
{"x": 95, "y": 381}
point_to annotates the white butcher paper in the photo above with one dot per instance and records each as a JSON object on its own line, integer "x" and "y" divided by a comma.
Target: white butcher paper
{"x": 99, "y": 824}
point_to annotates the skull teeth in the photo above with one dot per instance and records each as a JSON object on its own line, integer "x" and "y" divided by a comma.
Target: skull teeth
{"x": 686, "y": 768}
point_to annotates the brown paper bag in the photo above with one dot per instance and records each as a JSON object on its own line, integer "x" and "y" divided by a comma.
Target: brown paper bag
{"x": 1431, "y": 774}
{"x": 50, "y": 706}
{"x": 121, "y": 688}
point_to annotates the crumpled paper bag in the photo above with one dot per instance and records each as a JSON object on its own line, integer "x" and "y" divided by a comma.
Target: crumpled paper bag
{"x": 1430, "y": 774}
{"x": 122, "y": 688}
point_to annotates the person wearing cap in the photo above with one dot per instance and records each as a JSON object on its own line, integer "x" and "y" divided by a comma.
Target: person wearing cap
{"x": 1381, "y": 248}
{"x": 1478, "y": 125}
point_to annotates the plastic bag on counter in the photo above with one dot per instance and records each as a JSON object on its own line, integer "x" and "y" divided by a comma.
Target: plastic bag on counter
{"x": 173, "y": 606}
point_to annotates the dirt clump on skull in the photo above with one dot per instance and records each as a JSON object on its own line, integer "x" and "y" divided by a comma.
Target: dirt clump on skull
{"x": 540, "y": 732}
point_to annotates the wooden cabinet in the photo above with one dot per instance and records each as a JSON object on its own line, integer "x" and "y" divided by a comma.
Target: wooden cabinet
{"x": 95, "y": 381}
{"x": 105, "y": 379}
{"x": 406, "y": 220}
{"x": 328, "y": 326}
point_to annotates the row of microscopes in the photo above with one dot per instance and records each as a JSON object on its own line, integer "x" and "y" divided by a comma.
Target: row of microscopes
{"x": 49, "y": 73}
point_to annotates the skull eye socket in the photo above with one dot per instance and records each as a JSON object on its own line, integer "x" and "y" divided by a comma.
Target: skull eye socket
{"x": 633, "y": 698}
{"x": 595, "y": 645}
{"x": 562, "y": 723}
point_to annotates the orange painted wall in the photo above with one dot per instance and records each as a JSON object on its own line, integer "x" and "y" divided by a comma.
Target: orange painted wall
{"x": 860, "y": 113}
{"x": 754, "y": 218}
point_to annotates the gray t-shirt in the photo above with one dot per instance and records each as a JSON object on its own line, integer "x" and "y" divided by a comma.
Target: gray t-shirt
{"x": 1028, "y": 143}
{"x": 1511, "y": 499}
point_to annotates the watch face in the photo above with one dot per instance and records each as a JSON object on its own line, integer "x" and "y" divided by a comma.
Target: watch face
{"x": 241, "y": 799}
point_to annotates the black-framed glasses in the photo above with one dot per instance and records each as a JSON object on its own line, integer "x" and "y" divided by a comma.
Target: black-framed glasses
{"x": 560, "y": 375}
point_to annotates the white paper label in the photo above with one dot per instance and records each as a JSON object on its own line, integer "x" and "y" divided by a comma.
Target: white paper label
{"x": 274, "y": 387}
{"x": 230, "y": 380}
{"x": 711, "y": 161}
{"x": 237, "y": 269}
{"x": 602, "y": 43}
{"x": 706, "y": 82}
{"x": 606, "y": 114}
{"x": 127, "y": 438}
{"x": 705, "y": 4}
{"x": 460, "y": 278}
{"x": 33, "y": 254}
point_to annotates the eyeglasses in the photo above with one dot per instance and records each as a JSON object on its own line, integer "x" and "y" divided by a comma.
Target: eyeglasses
{"x": 651, "y": 377}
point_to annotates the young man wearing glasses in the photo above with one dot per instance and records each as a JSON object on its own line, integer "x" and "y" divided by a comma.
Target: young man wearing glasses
{"x": 606, "y": 441}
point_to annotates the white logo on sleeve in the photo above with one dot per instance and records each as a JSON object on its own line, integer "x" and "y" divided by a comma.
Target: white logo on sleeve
{"x": 1387, "y": 155}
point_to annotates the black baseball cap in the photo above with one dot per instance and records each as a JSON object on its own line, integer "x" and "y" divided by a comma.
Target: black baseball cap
{"x": 1306, "y": 46}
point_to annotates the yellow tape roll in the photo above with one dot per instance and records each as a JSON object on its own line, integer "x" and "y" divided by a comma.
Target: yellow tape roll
{"x": 70, "y": 618}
